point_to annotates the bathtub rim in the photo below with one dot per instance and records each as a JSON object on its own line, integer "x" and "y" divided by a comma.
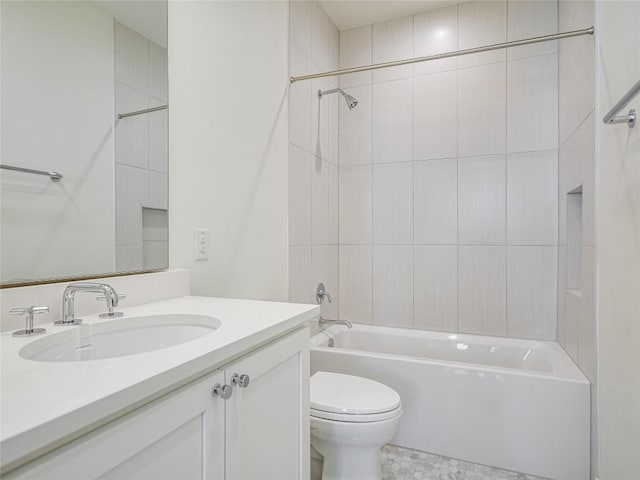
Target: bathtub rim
{"x": 573, "y": 373}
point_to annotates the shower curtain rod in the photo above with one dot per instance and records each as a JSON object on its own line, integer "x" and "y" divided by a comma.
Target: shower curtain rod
{"x": 468, "y": 51}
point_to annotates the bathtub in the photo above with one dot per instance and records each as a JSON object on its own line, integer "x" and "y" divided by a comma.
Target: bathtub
{"x": 520, "y": 405}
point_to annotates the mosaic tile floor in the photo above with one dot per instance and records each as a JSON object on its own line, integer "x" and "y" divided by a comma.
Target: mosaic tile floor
{"x": 404, "y": 464}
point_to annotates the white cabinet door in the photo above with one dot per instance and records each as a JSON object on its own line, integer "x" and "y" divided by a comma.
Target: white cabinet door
{"x": 179, "y": 436}
{"x": 267, "y": 423}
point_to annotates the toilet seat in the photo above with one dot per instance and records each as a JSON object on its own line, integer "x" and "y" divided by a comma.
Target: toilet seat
{"x": 347, "y": 398}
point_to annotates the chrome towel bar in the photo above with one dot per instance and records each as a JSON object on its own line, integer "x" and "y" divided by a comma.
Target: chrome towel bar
{"x": 54, "y": 176}
{"x": 140, "y": 112}
{"x": 630, "y": 118}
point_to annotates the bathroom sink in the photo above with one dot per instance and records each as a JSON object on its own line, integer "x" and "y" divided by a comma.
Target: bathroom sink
{"x": 121, "y": 337}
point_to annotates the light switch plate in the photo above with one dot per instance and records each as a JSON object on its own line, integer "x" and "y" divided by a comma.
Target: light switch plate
{"x": 201, "y": 244}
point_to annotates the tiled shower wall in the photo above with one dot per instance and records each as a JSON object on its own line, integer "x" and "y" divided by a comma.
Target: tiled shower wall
{"x": 141, "y": 153}
{"x": 576, "y": 197}
{"x": 448, "y": 174}
{"x": 447, "y": 191}
{"x": 576, "y": 321}
{"x": 313, "y": 158}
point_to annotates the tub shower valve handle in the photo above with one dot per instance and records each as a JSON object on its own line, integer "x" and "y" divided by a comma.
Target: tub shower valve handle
{"x": 241, "y": 380}
{"x": 111, "y": 312}
{"x": 28, "y": 328}
{"x": 222, "y": 391}
{"x": 321, "y": 294}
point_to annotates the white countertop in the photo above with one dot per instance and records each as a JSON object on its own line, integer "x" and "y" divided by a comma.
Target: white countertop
{"x": 42, "y": 402}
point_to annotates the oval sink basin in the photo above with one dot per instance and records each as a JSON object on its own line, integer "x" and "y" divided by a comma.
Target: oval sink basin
{"x": 118, "y": 338}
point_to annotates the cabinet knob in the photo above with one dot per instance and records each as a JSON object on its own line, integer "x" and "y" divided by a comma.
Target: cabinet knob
{"x": 241, "y": 380}
{"x": 222, "y": 391}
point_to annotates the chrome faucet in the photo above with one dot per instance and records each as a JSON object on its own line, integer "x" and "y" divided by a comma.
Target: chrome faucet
{"x": 324, "y": 321}
{"x": 68, "y": 317}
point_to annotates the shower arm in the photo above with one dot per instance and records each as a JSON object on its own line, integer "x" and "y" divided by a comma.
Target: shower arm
{"x": 327, "y": 92}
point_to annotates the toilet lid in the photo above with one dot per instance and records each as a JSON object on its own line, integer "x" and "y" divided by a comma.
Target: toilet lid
{"x": 346, "y": 394}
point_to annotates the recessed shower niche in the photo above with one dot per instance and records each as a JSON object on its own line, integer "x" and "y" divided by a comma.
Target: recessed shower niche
{"x": 574, "y": 239}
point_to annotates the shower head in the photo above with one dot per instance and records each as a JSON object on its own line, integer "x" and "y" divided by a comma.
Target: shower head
{"x": 352, "y": 102}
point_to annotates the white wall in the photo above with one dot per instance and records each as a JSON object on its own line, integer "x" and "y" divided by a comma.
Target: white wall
{"x": 228, "y": 145}
{"x": 65, "y": 228}
{"x": 618, "y": 226}
{"x": 448, "y": 174}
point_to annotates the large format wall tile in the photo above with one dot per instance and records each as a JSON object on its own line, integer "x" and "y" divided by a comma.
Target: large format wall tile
{"x": 435, "y": 116}
{"x": 435, "y": 287}
{"x": 435, "y": 32}
{"x": 532, "y": 104}
{"x": 355, "y": 128}
{"x": 319, "y": 37}
{"x": 532, "y": 203}
{"x": 131, "y": 58}
{"x": 393, "y": 203}
{"x": 482, "y": 290}
{"x": 355, "y": 279}
{"x": 355, "y": 51}
{"x": 531, "y": 292}
{"x": 299, "y": 196}
{"x": 482, "y": 110}
{"x": 319, "y": 202}
{"x": 300, "y": 283}
{"x": 436, "y": 202}
{"x": 324, "y": 268}
{"x": 392, "y": 40}
{"x": 393, "y": 121}
{"x": 576, "y": 81}
{"x": 131, "y": 195}
{"x": 132, "y": 133}
{"x": 481, "y": 200}
{"x": 355, "y": 205}
{"x": 531, "y": 18}
{"x": 300, "y": 98}
{"x": 320, "y": 118}
{"x": 300, "y": 25}
{"x": 479, "y": 24}
{"x": 158, "y": 72}
{"x": 393, "y": 285}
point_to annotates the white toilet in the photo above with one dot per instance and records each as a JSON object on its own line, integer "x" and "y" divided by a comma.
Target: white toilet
{"x": 351, "y": 419}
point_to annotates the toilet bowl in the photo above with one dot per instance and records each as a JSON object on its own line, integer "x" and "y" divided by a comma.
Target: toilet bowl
{"x": 351, "y": 419}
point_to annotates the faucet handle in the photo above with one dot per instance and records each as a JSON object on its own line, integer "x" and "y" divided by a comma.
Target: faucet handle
{"x": 121, "y": 296}
{"x": 321, "y": 294}
{"x": 111, "y": 313}
{"x": 29, "y": 312}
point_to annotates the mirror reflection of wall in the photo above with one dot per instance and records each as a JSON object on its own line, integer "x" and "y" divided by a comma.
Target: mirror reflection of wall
{"x": 141, "y": 152}
{"x": 68, "y": 69}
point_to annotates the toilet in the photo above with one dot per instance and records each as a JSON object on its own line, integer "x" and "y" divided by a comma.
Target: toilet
{"x": 351, "y": 419}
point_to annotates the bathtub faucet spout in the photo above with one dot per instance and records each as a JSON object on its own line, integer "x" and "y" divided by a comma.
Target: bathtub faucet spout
{"x": 324, "y": 321}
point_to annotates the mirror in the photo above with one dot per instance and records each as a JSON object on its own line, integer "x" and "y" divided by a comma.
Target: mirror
{"x": 84, "y": 95}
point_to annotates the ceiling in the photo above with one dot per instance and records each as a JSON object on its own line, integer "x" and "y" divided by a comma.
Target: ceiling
{"x": 354, "y": 13}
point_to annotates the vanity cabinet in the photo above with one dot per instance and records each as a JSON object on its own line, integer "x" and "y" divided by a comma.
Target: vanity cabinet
{"x": 260, "y": 432}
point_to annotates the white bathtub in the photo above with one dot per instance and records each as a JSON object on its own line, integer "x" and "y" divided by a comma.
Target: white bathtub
{"x": 515, "y": 404}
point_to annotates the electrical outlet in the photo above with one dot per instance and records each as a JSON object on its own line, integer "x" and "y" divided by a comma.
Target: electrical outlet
{"x": 201, "y": 244}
